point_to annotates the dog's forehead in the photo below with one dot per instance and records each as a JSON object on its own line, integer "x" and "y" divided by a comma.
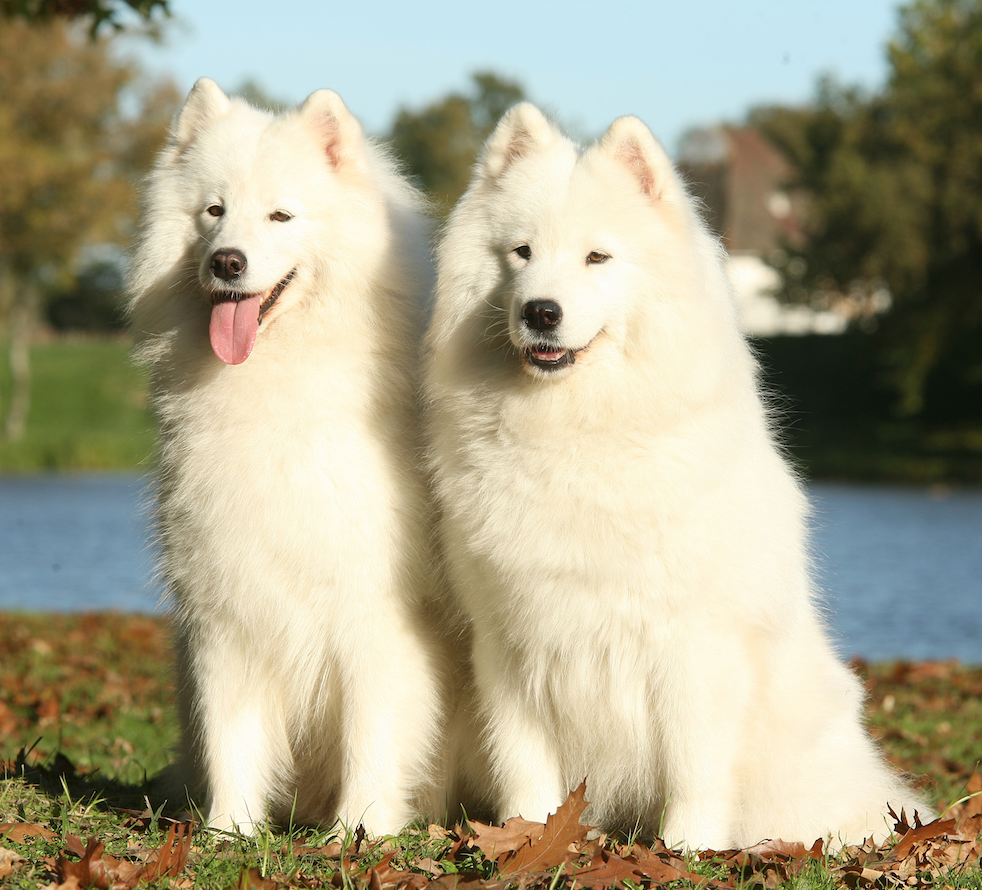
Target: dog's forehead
{"x": 254, "y": 167}
{"x": 564, "y": 202}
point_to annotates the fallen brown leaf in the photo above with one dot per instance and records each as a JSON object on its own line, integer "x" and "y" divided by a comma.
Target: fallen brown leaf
{"x": 494, "y": 841}
{"x": 973, "y": 806}
{"x": 606, "y": 869}
{"x": 936, "y": 830}
{"x": 778, "y": 849}
{"x": 329, "y": 851}
{"x": 8, "y": 861}
{"x": 170, "y": 858}
{"x": 252, "y": 879}
{"x": 552, "y": 847}
{"x": 429, "y": 866}
{"x": 465, "y": 882}
{"x": 18, "y": 832}
{"x": 95, "y": 869}
{"x": 860, "y": 876}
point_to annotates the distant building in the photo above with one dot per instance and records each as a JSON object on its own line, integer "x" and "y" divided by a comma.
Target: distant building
{"x": 741, "y": 177}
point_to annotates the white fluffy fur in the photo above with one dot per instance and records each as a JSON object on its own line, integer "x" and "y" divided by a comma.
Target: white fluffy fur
{"x": 624, "y": 533}
{"x": 293, "y": 520}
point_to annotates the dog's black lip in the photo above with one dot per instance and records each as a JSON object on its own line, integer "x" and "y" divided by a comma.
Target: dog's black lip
{"x": 274, "y": 294}
{"x": 232, "y": 296}
{"x": 566, "y": 358}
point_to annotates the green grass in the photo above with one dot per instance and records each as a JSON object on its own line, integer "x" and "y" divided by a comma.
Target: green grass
{"x": 88, "y": 409}
{"x": 928, "y": 717}
{"x": 97, "y": 688}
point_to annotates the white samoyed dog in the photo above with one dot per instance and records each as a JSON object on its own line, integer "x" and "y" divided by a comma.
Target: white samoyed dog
{"x": 274, "y": 294}
{"x": 622, "y": 528}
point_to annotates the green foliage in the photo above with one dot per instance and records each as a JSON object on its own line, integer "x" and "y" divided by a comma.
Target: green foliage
{"x": 894, "y": 187}
{"x": 75, "y": 153}
{"x": 839, "y": 420}
{"x": 93, "y": 304}
{"x": 440, "y": 143}
{"x": 88, "y": 410}
{"x": 98, "y": 12}
{"x": 72, "y": 157}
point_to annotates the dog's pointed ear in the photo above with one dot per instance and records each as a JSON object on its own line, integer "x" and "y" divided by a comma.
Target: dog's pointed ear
{"x": 630, "y": 143}
{"x": 337, "y": 129}
{"x": 204, "y": 103}
{"x": 523, "y": 130}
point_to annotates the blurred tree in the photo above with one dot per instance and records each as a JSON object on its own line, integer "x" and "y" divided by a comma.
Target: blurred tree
{"x": 92, "y": 301}
{"x": 440, "y": 143}
{"x": 894, "y": 188}
{"x": 254, "y": 93}
{"x": 70, "y": 158}
{"x": 97, "y": 12}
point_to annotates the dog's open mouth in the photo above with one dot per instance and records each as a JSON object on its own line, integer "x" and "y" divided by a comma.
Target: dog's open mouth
{"x": 235, "y": 320}
{"x": 548, "y": 358}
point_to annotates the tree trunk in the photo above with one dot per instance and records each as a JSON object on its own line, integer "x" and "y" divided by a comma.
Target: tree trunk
{"x": 6, "y": 301}
{"x": 21, "y": 326}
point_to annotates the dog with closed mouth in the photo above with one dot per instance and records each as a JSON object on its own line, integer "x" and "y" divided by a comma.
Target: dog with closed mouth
{"x": 623, "y": 530}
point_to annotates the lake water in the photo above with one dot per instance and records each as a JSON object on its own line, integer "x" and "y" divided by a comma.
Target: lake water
{"x": 902, "y": 568}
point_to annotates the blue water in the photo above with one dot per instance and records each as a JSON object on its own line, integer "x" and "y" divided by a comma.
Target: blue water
{"x": 75, "y": 543}
{"x": 902, "y": 568}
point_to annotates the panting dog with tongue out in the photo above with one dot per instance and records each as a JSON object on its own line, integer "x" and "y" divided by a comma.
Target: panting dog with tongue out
{"x": 274, "y": 293}
{"x": 235, "y": 317}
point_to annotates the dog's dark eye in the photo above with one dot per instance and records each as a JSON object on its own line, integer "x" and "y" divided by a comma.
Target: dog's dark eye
{"x": 595, "y": 256}
{"x": 280, "y": 216}
{"x": 524, "y": 251}
{"x": 216, "y": 210}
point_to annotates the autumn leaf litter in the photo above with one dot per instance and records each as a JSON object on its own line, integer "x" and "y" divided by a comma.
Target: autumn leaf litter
{"x": 521, "y": 854}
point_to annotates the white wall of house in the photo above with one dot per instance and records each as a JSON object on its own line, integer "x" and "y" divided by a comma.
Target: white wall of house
{"x": 762, "y": 315}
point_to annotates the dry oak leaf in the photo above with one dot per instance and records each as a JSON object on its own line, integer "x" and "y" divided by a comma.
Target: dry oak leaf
{"x": 252, "y": 879}
{"x": 18, "y": 832}
{"x": 8, "y": 861}
{"x": 170, "y": 858}
{"x": 662, "y": 871}
{"x": 607, "y": 869}
{"x": 465, "y": 882}
{"x": 96, "y": 870}
{"x": 776, "y": 860}
{"x": 971, "y": 804}
{"x": 921, "y": 837}
{"x": 860, "y": 876}
{"x": 332, "y": 850}
{"x": 494, "y": 841}
{"x": 551, "y": 847}
{"x": 385, "y": 874}
{"x": 923, "y": 850}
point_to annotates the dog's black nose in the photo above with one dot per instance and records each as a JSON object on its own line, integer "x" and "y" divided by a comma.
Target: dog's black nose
{"x": 541, "y": 315}
{"x": 228, "y": 264}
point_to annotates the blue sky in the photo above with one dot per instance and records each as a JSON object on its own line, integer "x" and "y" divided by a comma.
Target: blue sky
{"x": 674, "y": 64}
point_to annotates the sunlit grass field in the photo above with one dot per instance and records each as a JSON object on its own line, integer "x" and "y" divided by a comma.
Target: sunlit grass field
{"x": 88, "y": 409}
{"x": 87, "y": 716}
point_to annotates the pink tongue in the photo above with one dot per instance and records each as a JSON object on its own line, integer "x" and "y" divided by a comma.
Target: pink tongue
{"x": 233, "y": 328}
